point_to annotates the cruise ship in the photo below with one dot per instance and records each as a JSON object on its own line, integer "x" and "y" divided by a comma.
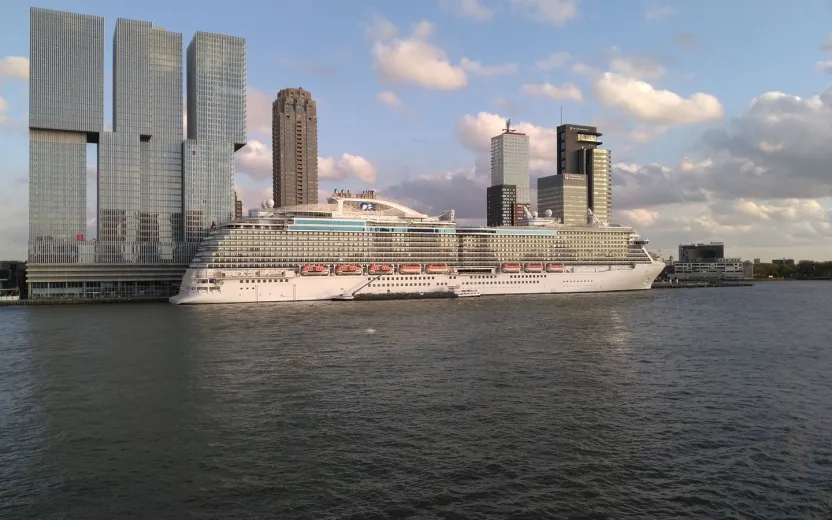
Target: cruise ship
{"x": 360, "y": 246}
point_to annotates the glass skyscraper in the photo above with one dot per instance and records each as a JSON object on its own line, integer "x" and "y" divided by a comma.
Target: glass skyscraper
{"x": 216, "y": 129}
{"x": 141, "y": 248}
{"x": 66, "y": 111}
{"x": 510, "y": 163}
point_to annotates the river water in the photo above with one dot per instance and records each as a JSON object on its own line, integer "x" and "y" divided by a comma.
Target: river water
{"x": 687, "y": 403}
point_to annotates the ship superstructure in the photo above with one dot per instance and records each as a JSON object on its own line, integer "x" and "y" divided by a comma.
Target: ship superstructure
{"x": 364, "y": 247}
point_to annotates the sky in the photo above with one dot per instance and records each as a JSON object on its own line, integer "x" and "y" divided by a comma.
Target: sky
{"x": 718, "y": 114}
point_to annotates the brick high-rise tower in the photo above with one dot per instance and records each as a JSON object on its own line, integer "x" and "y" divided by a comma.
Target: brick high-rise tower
{"x": 294, "y": 148}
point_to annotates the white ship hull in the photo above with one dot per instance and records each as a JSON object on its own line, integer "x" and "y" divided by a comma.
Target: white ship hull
{"x": 579, "y": 279}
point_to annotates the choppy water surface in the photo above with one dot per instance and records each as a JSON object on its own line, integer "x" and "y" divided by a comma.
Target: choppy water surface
{"x": 703, "y": 403}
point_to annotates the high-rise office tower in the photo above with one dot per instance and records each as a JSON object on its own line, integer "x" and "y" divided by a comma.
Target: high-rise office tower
{"x": 509, "y": 191}
{"x": 510, "y": 161}
{"x": 66, "y": 111}
{"x": 216, "y": 129}
{"x": 140, "y": 161}
{"x": 139, "y": 250}
{"x": 579, "y": 152}
{"x": 565, "y": 195}
{"x": 597, "y": 167}
{"x": 294, "y": 148}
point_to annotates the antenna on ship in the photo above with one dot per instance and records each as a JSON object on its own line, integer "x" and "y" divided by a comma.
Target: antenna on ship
{"x": 561, "y": 115}
{"x": 508, "y": 126}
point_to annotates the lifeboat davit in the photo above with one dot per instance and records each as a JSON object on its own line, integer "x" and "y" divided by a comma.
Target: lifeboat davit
{"x": 410, "y": 269}
{"x": 380, "y": 269}
{"x": 437, "y": 269}
{"x": 511, "y": 268}
{"x": 348, "y": 269}
{"x": 534, "y": 268}
{"x": 314, "y": 270}
{"x": 555, "y": 268}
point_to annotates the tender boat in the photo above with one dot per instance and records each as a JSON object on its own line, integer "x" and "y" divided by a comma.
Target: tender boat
{"x": 343, "y": 297}
{"x": 380, "y": 269}
{"x": 511, "y": 268}
{"x": 555, "y": 268}
{"x": 314, "y": 270}
{"x": 459, "y": 292}
{"x": 348, "y": 269}
{"x": 534, "y": 268}
{"x": 437, "y": 269}
{"x": 410, "y": 269}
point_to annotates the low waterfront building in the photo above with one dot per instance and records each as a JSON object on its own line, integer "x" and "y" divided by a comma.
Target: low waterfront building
{"x": 12, "y": 280}
{"x": 717, "y": 269}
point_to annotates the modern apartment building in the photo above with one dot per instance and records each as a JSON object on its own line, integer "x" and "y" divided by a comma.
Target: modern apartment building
{"x": 565, "y": 195}
{"x": 294, "y": 148}
{"x": 145, "y": 186}
{"x": 510, "y": 162}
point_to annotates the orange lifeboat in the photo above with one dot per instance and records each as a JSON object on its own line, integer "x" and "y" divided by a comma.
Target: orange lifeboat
{"x": 534, "y": 268}
{"x": 511, "y": 268}
{"x": 410, "y": 269}
{"x": 348, "y": 269}
{"x": 314, "y": 270}
{"x": 555, "y": 268}
{"x": 380, "y": 269}
{"x": 437, "y": 269}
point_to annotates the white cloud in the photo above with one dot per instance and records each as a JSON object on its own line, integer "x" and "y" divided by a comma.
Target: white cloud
{"x": 475, "y": 67}
{"x": 415, "y": 60}
{"x": 390, "y": 99}
{"x": 469, "y": 9}
{"x": 638, "y": 67}
{"x": 759, "y": 228}
{"x": 824, "y": 66}
{"x": 462, "y": 190}
{"x": 255, "y": 160}
{"x": 348, "y": 165}
{"x": 657, "y": 12}
{"x": 642, "y": 101}
{"x": 556, "y": 12}
{"x": 554, "y": 61}
{"x": 563, "y": 92}
{"x": 14, "y": 67}
{"x": 475, "y": 133}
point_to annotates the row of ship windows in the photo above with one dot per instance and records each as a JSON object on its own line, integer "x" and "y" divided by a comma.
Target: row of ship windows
{"x": 278, "y": 231}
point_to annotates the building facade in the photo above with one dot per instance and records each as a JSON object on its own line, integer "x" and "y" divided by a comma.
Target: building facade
{"x": 572, "y": 139}
{"x": 501, "y": 205}
{"x": 216, "y": 130}
{"x": 140, "y": 248}
{"x": 580, "y": 152}
{"x": 510, "y": 162}
{"x": 719, "y": 269}
{"x": 690, "y": 253}
{"x": 596, "y": 166}
{"x": 294, "y": 148}
{"x": 565, "y": 195}
{"x": 238, "y": 207}
{"x": 66, "y": 112}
